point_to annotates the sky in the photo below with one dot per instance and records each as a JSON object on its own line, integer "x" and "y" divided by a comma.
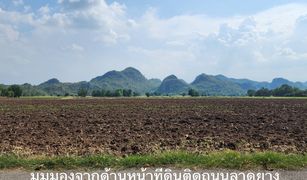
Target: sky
{"x": 77, "y": 40}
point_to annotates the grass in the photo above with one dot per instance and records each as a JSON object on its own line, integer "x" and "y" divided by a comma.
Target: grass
{"x": 225, "y": 159}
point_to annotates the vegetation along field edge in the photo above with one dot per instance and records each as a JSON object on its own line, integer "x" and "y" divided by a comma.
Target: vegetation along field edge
{"x": 223, "y": 159}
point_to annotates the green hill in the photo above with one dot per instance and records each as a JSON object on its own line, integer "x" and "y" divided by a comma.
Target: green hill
{"x": 54, "y": 87}
{"x": 129, "y": 78}
{"x": 212, "y": 85}
{"x": 173, "y": 85}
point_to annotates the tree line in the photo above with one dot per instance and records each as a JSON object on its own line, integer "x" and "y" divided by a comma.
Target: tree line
{"x": 108, "y": 93}
{"x": 191, "y": 92}
{"x": 83, "y": 92}
{"x": 11, "y": 91}
{"x": 282, "y": 91}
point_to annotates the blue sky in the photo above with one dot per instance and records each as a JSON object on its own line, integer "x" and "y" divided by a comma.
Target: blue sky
{"x": 75, "y": 40}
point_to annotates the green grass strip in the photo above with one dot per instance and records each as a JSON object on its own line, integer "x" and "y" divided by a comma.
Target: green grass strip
{"x": 226, "y": 159}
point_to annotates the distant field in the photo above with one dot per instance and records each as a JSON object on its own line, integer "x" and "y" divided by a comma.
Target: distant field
{"x": 143, "y": 126}
{"x": 157, "y": 97}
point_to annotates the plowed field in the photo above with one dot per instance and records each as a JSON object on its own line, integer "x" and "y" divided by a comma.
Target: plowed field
{"x": 137, "y": 126}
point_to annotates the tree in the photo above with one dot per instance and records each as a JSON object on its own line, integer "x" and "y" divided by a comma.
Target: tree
{"x": 156, "y": 94}
{"x": 286, "y": 90}
{"x": 193, "y": 93}
{"x": 10, "y": 94}
{"x": 147, "y": 94}
{"x": 1, "y": 90}
{"x": 263, "y": 92}
{"x": 251, "y": 92}
{"x": 204, "y": 94}
{"x": 108, "y": 93}
{"x": 127, "y": 92}
{"x": 103, "y": 93}
{"x": 118, "y": 93}
{"x": 96, "y": 93}
{"x": 17, "y": 91}
{"x": 82, "y": 92}
{"x": 4, "y": 92}
{"x": 136, "y": 94}
{"x": 282, "y": 91}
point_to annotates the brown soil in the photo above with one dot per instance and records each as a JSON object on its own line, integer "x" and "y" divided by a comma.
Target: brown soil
{"x": 129, "y": 126}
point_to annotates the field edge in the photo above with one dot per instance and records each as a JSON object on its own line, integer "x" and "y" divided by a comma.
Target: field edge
{"x": 213, "y": 160}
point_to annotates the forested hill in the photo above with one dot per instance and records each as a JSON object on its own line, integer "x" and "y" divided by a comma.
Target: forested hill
{"x": 133, "y": 80}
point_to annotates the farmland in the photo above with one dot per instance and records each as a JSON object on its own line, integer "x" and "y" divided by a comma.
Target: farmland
{"x": 142, "y": 126}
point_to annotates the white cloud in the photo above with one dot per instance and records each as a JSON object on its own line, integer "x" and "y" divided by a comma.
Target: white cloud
{"x": 77, "y": 47}
{"x": 186, "y": 44}
{"x": 181, "y": 26}
{"x": 74, "y": 47}
{"x": 280, "y": 19}
{"x": 44, "y": 10}
{"x": 108, "y": 23}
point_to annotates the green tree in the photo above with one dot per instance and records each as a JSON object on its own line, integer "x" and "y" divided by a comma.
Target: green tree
{"x": 103, "y": 93}
{"x": 4, "y": 92}
{"x": 118, "y": 93}
{"x": 251, "y": 92}
{"x": 204, "y": 94}
{"x": 82, "y": 92}
{"x": 108, "y": 93}
{"x": 96, "y": 93}
{"x": 147, "y": 94}
{"x": 286, "y": 90}
{"x": 10, "y": 94}
{"x": 127, "y": 92}
{"x": 193, "y": 93}
{"x": 1, "y": 90}
{"x": 263, "y": 92}
{"x": 16, "y": 90}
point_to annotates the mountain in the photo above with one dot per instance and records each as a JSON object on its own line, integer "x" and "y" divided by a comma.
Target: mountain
{"x": 277, "y": 82}
{"x": 216, "y": 85}
{"x": 173, "y": 85}
{"x": 245, "y": 84}
{"x": 55, "y": 87}
{"x": 129, "y": 78}
{"x": 29, "y": 90}
{"x": 154, "y": 83}
{"x": 51, "y": 82}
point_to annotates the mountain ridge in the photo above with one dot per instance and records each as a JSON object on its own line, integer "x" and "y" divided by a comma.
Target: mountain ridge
{"x": 132, "y": 78}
